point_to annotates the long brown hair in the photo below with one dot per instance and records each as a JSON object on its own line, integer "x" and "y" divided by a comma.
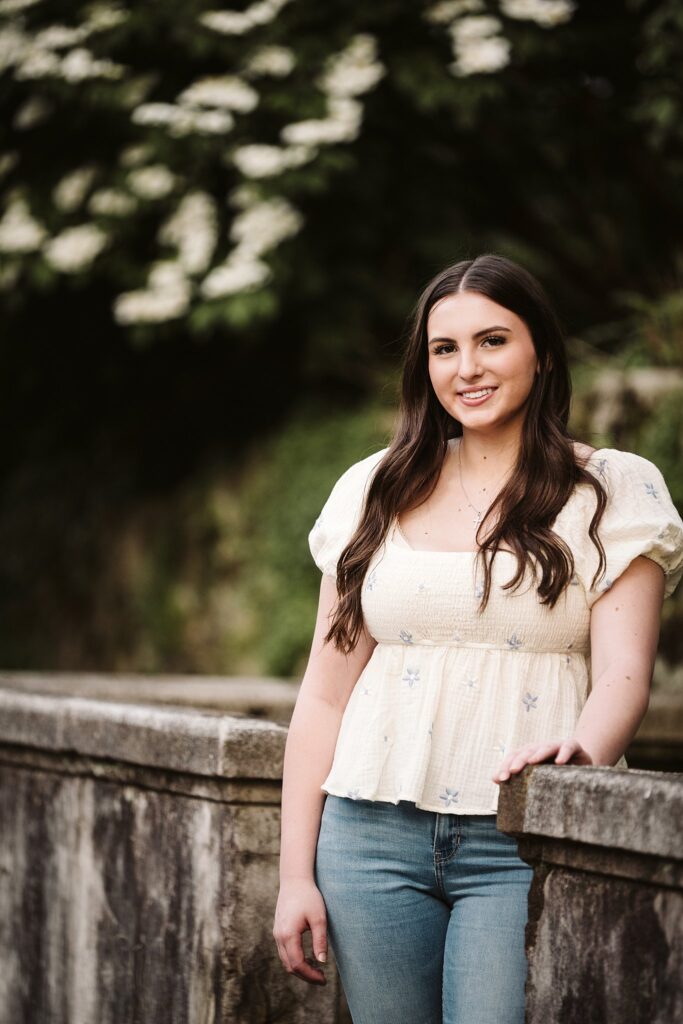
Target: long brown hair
{"x": 545, "y": 475}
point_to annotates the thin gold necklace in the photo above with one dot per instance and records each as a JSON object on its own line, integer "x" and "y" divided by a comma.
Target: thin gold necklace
{"x": 479, "y": 514}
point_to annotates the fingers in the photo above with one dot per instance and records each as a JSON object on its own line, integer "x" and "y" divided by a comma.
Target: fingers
{"x": 290, "y": 950}
{"x": 300, "y": 965}
{"x": 533, "y": 753}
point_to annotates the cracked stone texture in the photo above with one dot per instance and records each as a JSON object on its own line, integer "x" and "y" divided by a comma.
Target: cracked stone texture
{"x": 604, "y": 937}
{"x": 139, "y": 868}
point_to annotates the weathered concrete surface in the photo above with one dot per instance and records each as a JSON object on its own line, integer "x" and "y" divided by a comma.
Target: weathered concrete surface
{"x": 272, "y": 699}
{"x": 658, "y": 743}
{"x": 139, "y": 868}
{"x": 604, "y": 937}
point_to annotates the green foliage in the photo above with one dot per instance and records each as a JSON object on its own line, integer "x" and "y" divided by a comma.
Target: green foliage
{"x": 295, "y": 474}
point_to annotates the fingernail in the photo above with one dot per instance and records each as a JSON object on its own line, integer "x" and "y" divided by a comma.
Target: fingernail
{"x": 504, "y": 775}
{"x": 322, "y": 957}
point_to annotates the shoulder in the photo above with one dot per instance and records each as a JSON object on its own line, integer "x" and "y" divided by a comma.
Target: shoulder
{"x": 584, "y": 451}
{"x": 349, "y": 488}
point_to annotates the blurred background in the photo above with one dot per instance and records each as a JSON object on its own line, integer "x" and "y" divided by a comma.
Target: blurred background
{"x": 214, "y": 224}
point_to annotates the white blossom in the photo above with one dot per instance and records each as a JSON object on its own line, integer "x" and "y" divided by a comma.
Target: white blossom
{"x": 75, "y": 248}
{"x": 152, "y": 182}
{"x": 19, "y": 231}
{"x": 235, "y": 275}
{"x": 261, "y": 161}
{"x": 476, "y": 46}
{"x": 131, "y": 156}
{"x": 449, "y": 10}
{"x": 167, "y": 274}
{"x": 228, "y": 23}
{"x": 79, "y": 65}
{"x": 477, "y": 27}
{"x": 354, "y": 70}
{"x": 38, "y": 64}
{"x": 31, "y": 113}
{"x": 224, "y": 92}
{"x": 236, "y": 23}
{"x": 7, "y": 162}
{"x": 111, "y": 202}
{"x": 320, "y": 131}
{"x": 265, "y": 225}
{"x": 277, "y": 61}
{"x": 73, "y": 188}
{"x": 60, "y": 37}
{"x": 14, "y": 6}
{"x": 481, "y": 56}
{"x": 13, "y": 46}
{"x": 192, "y": 229}
{"x": 104, "y": 16}
{"x": 182, "y": 121}
{"x": 167, "y": 297}
{"x": 544, "y": 12}
{"x": 243, "y": 196}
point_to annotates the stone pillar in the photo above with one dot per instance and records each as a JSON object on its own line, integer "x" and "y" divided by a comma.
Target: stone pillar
{"x": 604, "y": 938}
{"x": 139, "y": 867}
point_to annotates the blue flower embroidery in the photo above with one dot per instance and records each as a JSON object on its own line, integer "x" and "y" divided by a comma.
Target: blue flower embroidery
{"x": 430, "y": 728}
{"x": 353, "y": 794}
{"x": 606, "y": 585}
{"x": 422, "y": 588}
{"x": 405, "y": 636}
{"x": 372, "y": 580}
{"x": 529, "y": 701}
{"x": 365, "y": 691}
{"x": 412, "y": 676}
{"x": 479, "y": 590}
{"x": 574, "y": 582}
{"x": 500, "y": 747}
{"x": 386, "y": 739}
{"x": 514, "y": 642}
{"x": 470, "y": 683}
{"x": 449, "y": 796}
{"x": 601, "y": 467}
{"x": 650, "y": 489}
{"x": 457, "y": 638}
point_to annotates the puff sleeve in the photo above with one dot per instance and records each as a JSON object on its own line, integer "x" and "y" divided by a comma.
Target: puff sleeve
{"x": 640, "y": 519}
{"x": 341, "y": 513}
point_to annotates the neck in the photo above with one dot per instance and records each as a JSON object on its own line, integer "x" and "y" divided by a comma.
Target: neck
{"x": 484, "y": 457}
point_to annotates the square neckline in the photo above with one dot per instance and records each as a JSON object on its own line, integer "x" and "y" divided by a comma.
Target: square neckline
{"x": 395, "y": 525}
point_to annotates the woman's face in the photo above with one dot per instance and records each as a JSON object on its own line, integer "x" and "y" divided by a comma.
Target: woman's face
{"x": 482, "y": 362}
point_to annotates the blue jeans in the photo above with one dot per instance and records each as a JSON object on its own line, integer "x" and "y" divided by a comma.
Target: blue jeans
{"x": 426, "y": 913}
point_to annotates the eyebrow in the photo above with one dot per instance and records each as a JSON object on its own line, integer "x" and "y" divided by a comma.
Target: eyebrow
{"x": 477, "y": 334}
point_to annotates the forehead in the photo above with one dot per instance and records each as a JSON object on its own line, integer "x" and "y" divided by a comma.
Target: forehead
{"x": 468, "y": 312}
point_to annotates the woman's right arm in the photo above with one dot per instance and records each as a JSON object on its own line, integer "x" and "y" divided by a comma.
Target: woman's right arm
{"x": 325, "y": 689}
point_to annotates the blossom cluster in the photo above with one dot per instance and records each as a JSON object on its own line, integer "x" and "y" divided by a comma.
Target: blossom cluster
{"x": 478, "y": 43}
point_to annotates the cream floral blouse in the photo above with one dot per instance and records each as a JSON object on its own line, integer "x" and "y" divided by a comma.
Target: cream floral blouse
{"x": 448, "y": 691}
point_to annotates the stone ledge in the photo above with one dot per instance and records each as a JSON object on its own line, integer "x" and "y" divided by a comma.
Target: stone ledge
{"x": 623, "y": 809}
{"x": 256, "y": 697}
{"x": 200, "y": 742}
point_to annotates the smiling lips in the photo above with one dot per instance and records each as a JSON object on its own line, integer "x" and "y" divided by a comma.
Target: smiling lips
{"x": 475, "y": 396}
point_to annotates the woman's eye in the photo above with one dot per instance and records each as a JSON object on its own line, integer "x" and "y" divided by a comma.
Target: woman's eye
{"x": 495, "y": 339}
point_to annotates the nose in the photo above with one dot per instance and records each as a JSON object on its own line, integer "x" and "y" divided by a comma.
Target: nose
{"x": 469, "y": 368}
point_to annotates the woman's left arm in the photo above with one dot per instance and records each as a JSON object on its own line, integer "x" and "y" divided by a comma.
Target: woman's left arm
{"x": 624, "y": 631}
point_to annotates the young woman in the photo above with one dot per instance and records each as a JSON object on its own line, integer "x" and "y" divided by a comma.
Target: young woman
{"x": 469, "y": 569}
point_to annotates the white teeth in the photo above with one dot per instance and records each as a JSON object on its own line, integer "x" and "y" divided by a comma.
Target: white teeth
{"x": 477, "y": 394}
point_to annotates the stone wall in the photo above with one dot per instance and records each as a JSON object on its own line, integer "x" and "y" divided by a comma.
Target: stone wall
{"x": 139, "y": 847}
{"x": 604, "y": 937}
{"x": 139, "y": 867}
